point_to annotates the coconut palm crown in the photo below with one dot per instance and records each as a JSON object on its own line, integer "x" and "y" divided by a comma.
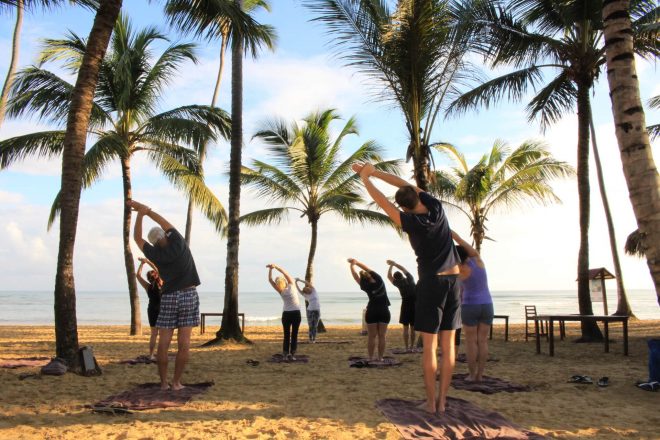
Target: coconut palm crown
{"x": 309, "y": 176}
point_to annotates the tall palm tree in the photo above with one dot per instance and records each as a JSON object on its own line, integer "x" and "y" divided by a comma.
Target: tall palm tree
{"x": 411, "y": 50}
{"x": 309, "y": 176}
{"x": 123, "y": 121}
{"x": 639, "y": 167}
{"x": 501, "y": 179}
{"x": 21, "y": 6}
{"x": 562, "y": 38}
{"x": 189, "y": 17}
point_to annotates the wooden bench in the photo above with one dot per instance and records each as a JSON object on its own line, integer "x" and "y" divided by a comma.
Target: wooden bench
{"x": 202, "y": 324}
{"x": 506, "y": 326}
{"x": 605, "y": 319}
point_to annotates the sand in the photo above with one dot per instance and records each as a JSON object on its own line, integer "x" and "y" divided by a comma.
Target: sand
{"x": 323, "y": 399}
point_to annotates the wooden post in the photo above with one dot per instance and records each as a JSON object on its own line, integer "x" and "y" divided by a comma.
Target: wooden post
{"x": 602, "y": 284}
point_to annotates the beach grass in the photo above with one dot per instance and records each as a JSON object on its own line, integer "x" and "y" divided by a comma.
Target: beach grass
{"x": 324, "y": 399}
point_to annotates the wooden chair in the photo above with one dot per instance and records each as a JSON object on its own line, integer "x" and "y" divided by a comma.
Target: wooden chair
{"x": 530, "y": 314}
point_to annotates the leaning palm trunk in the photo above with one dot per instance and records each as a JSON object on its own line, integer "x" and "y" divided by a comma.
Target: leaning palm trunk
{"x": 202, "y": 155}
{"x": 630, "y": 128}
{"x": 14, "y": 60}
{"x": 66, "y": 326}
{"x": 623, "y": 306}
{"x": 590, "y": 330}
{"x": 136, "y": 323}
{"x": 309, "y": 272}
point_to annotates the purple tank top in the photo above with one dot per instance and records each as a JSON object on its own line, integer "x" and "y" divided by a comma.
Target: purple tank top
{"x": 475, "y": 287}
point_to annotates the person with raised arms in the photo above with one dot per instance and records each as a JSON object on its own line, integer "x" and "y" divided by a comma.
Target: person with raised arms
{"x": 405, "y": 282}
{"x": 285, "y": 285}
{"x": 378, "y": 312}
{"x": 179, "y": 302}
{"x": 152, "y": 285}
{"x": 437, "y": 305}
{"x": 313, "y": 308}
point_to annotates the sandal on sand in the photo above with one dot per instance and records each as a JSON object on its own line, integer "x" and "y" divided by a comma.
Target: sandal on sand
{"x": 252, "y": 362}
{"x": 649, "y": 386}
{"x": 584, "y": 380}
{"x": 603, "y": 382}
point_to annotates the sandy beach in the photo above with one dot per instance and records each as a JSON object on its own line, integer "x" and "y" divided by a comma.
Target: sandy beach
{"x": 324, "y": 398}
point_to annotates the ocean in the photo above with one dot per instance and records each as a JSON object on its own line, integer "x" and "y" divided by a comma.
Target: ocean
{"x": 264, "y": 308}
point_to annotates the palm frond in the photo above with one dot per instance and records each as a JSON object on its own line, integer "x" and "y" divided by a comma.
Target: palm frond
{"x": 69, "y": 50}
{"x": 557, "y": 98}
{"x": 45, "y": 144}
{"x": 270, "y": 182}
{"x": 452, "y": 152}
{"x": 272, "y": 216}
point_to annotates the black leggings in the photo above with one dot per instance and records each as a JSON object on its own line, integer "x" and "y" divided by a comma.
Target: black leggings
{"x": 290, "y": 324}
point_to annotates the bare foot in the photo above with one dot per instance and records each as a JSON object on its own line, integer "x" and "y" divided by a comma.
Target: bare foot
{"x": 177, "y": 387}
{"x": 425, "y": 406}
{"x": 469, "y": 378}
{"x": 164, "y": 386}
{"x": 440, "y": 406}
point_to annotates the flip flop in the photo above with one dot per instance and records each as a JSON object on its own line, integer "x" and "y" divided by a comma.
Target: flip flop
{"x": 584, "y": 380}
{"x": 603, "y": 382}
{"x": 252, "y": 362}
{"x": 649, "y": 386}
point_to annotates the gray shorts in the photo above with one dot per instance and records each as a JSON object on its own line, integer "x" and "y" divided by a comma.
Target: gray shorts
{"x": 179, "y": 309}
{"x": 474, "y": 314}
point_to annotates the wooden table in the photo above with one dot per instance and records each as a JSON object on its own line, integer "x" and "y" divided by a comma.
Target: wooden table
{"x": 506, "y": 326}
{"x": 202, "y": 324}
{"x": 579, "y": 318}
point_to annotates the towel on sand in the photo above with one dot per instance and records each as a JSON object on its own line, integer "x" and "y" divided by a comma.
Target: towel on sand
{"x": 363, "y": 362}
{"x": 38, "y": 361}
{"x": 279, "y": 358}
{"x": 325, "y": 341}
{"x": 150, "y": 396}
{"x": 404, "y": 351}
{"x": 462, "y": 420}
{"x": 462, "y": 358}
{"x": 488, "y": 385}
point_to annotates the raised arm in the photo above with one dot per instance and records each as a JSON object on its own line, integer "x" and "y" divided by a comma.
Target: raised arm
{"x": 356, "y": 276}
{"x": 392, "y": 211}
{"x": 472, "y": 252}
{"x": 160, "y": 220}
{"x": 305, "y": 284}
{"x": 144, "y": 283}
{"x": 137, "y": 231}
{"x": 289, "y": 278}
{"x": 270, "y": 277}
{"x": 391, "y": 179}
{"x": 393, "y": 263}
{"x": 389, "y": 273}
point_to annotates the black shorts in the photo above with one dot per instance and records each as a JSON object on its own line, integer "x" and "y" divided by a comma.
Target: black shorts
{"x": 377, "y": 315}
{"x": 437, "y": 304}
{"x": 152, "y": 313}
{"x": 407, "y": 315}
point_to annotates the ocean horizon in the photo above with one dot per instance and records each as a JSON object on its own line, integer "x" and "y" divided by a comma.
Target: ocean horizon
{"x": 264, "y": 308}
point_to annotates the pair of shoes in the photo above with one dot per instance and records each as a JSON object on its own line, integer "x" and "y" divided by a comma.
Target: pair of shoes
{"x": 252, "y": 362}
{"x": 603, "y": 382}
{"x": 649, "y": 386}
{"x": 585, "y": 380}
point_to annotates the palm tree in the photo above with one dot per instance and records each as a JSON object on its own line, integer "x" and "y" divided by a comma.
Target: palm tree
{"x": 310, "y": 177}
{"x": 123, "y": 121}
{"x": 21, "y": 6}
{"x": 636, "y": 155}
{"x": 535, "y": 36}
{"x": 500, "y": 180}
{"x": 189, "y": 17}
{"x": 411, "y": 51}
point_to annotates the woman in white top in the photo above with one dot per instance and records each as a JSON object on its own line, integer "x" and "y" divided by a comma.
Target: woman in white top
{"x": 313, "y": 307}
{"x": 286, "y": 287}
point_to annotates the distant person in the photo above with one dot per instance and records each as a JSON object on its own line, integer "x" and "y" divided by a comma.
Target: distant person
{"x": 476, "y": 309}
{"x": 378, "y": 311}
{"x": 437, "y": 303}
{"x": 179, "y": 302}
{"x": 286, "y": 287}
{"x": 405, "y": 282}
{"x": 313, "y": 307}
{"x": 153, "y": 285}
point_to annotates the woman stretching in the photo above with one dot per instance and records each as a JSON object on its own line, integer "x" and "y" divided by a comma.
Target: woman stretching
{"x": 152, "y": 285}
{"x": 477, "y": 307}
{"x": 378, "y": 312}
{"x": 286, "y": 287}
{"x": 405, "y": 282}
{"x": 313, "y": 307}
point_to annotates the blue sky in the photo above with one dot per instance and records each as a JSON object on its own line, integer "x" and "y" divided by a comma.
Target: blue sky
{"x": 535, "y": 248}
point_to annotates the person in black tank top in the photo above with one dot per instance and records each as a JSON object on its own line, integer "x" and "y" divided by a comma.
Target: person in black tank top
{"x": 405, "y": 282}
{"x": 152, "y": 285}
{"x": 378, "y": 311}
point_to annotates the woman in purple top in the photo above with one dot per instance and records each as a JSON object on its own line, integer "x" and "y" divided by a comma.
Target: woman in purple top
{"x": 476, "y": 307}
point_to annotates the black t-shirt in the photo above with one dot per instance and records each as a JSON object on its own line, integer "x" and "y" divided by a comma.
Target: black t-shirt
{"x": 430, "y": 237}
{"x": 406, "y": 286}
{"x": 375, "y": 291}
{"x": 153, "y": 291}
{"x": 174, "y": 262}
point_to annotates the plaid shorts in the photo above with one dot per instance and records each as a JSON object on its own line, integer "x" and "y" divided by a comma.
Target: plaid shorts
{"x": 179, "y": 309}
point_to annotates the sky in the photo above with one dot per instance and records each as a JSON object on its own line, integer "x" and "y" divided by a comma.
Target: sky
{"x": 534, "y": 248}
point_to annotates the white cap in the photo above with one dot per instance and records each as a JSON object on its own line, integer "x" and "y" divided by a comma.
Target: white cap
{"x": 155, "y": 235}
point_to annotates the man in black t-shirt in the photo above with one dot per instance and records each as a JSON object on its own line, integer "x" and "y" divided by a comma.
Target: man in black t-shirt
{"x": 437, "y": 305}
{"x": 405, "y": 282}
{"x": 179, "y": 303}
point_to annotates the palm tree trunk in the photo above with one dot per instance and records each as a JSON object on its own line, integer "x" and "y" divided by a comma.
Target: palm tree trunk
{"x": 14, "y": 60}
{"x": 623, "y": 306}
{"x": 223, "y": 48}
{"x": 230, "y": 329}
{"x": 478, "y": 232}
{"x": 630, "y": 127}
{"x": 590, "y": 330}
{"x": 309, "y": 272}
{"x": 66, "y": 326}
{"x": 136, "y": 322}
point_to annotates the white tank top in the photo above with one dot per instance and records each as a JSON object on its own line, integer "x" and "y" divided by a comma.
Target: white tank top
{"x": 313, "y": 299}
{"x": 290, "y": 297}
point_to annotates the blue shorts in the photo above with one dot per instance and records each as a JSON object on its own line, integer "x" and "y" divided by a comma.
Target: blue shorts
{"x": 179, "y": 309}
{"x": 475, "y": 314}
